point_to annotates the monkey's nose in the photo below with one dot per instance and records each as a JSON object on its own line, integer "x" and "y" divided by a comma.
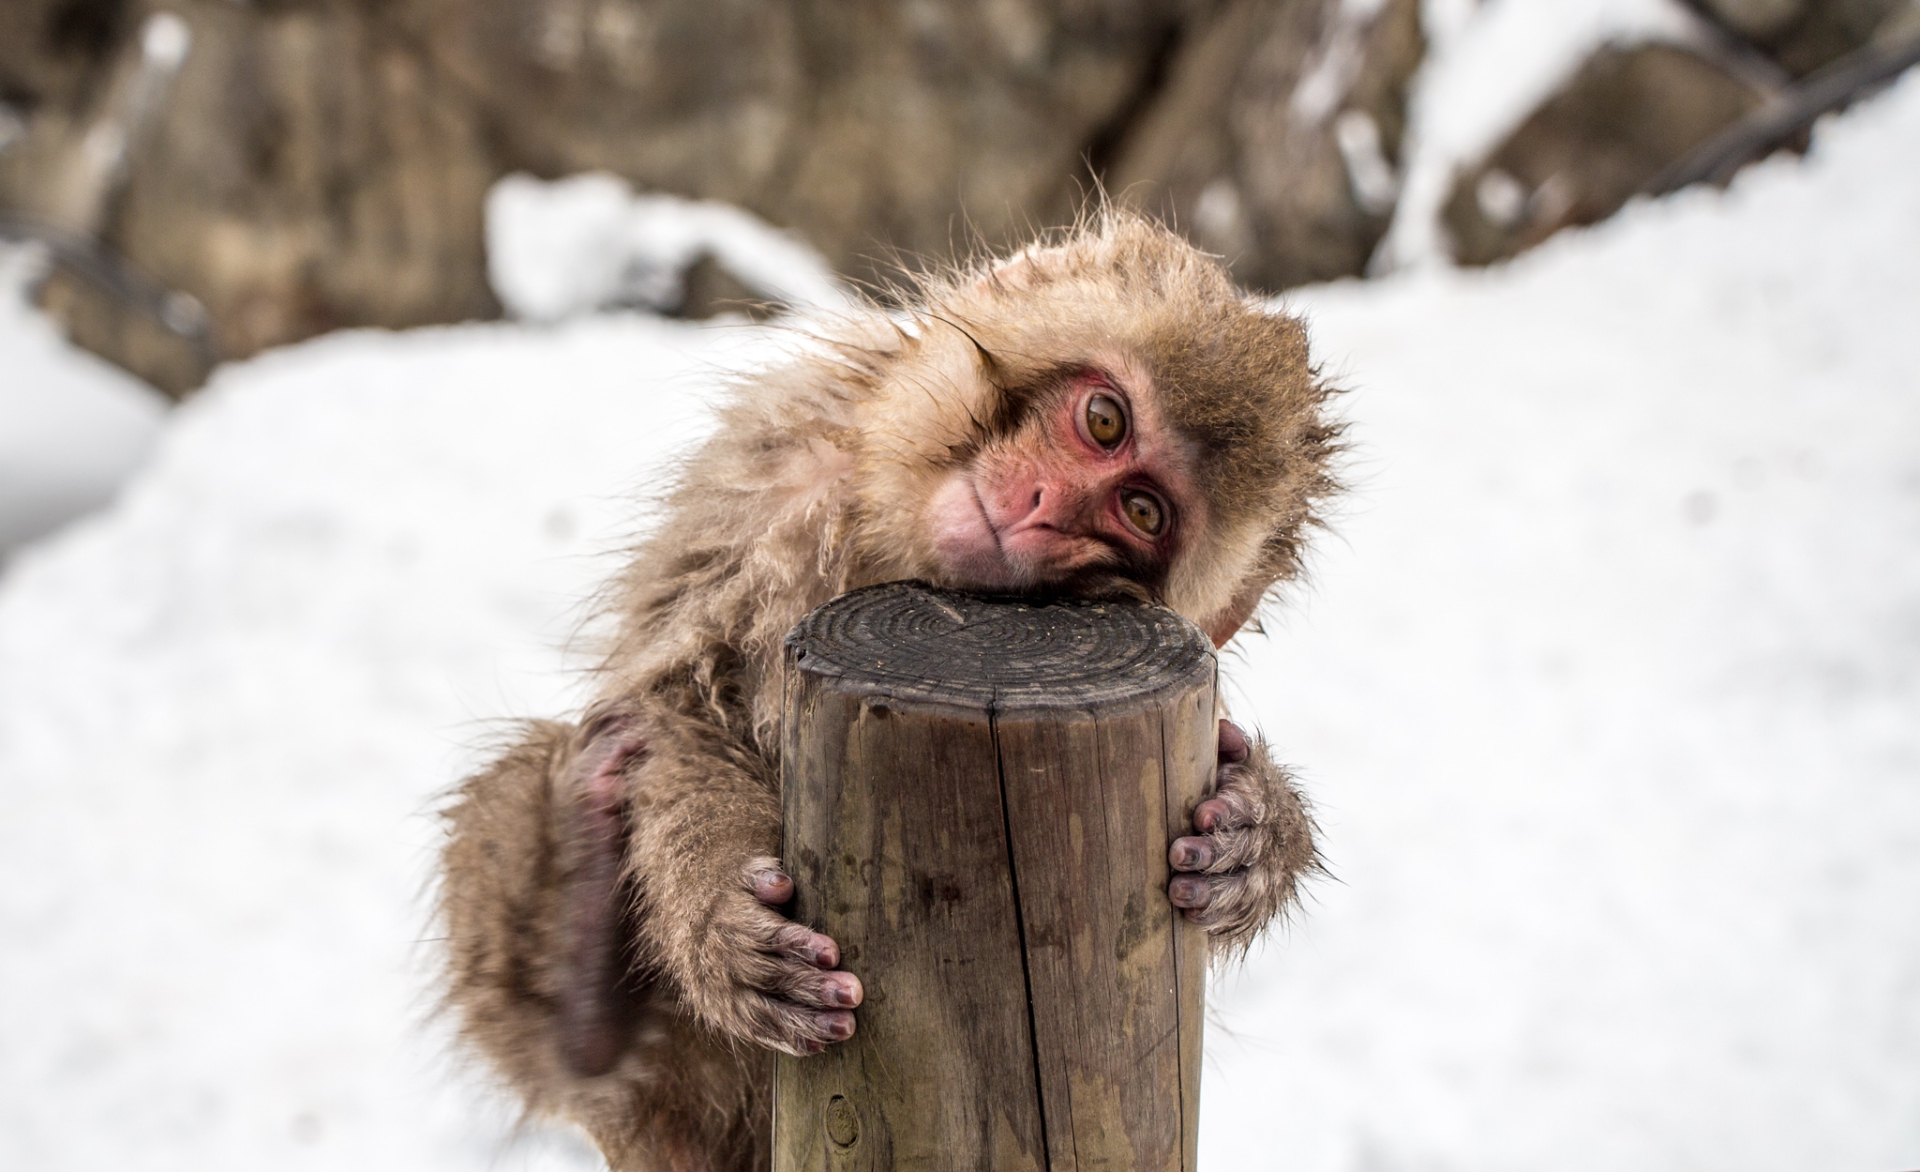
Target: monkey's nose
{"x": 1047, "y": 508}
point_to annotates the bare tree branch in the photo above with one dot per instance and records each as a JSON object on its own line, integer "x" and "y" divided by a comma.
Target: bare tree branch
{"x": 1760, "y": 132}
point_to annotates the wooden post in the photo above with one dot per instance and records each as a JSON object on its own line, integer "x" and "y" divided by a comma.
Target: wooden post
{"x": 979, "y": 798}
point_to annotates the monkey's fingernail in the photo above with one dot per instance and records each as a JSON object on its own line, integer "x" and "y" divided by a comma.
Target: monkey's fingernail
{"x": 822, "y": 951}
{"x": 1206, "y": 816}
{"x": 772, "y": 887}
{"x": 837, "y": 1025}
{"x": 846, "y": 991}
{"x": 1191, "y": 854}
{"x": 1188, "y": 891}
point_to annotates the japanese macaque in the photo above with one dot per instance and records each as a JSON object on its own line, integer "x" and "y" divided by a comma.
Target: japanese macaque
{"x": 1101, "y": 414}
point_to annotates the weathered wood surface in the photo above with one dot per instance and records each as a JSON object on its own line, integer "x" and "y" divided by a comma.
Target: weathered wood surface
{"x": 979, "y": 799}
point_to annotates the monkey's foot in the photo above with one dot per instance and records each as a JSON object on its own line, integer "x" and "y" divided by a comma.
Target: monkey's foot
{"x": 1236, "y": 873}
{"x": 784, "y": 990}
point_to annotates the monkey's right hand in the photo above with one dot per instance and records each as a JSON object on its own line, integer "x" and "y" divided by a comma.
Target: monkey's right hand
{"x": 767, "y": 979}
{"x": 704, "y": 921}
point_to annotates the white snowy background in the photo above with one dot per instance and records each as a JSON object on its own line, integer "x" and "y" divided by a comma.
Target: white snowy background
{"x": 1607, "y": 685}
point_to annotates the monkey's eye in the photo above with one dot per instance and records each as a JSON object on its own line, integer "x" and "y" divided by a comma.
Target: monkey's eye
{"x": 1106, "y": 422}
{"x": 1144, "y": 512}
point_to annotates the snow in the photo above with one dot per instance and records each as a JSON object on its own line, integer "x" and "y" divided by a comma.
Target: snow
{"x": 72, "y": 427}
{"x": 226, "y": 707}
{"x": 1607, "y": 685}
{"x": 588, "y": 242}
{"x": 1609, "y": 693}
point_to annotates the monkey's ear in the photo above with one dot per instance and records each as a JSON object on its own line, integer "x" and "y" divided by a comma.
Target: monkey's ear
{"x": 1225, "y": 623}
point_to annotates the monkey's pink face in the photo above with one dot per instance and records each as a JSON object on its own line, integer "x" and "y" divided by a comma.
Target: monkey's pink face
{"x": 1087, "y": 483}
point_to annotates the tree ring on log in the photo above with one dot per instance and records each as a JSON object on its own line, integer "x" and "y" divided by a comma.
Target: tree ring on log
{"x": 912, "y": 642}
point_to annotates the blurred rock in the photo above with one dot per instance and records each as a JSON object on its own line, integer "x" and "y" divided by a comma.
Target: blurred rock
{"x": 303, "y": 172}
{"x": 1803, "y": 35}
{"x": 96, "y": 318}
{"x": 1624, "y": 117}
{"x": 311, "y": 172}
{"x": 875, "y": 127}
{"x": 49, "y": 49}
{"x": 324, "y": 163}
{"x": 67, "y": 167}
{"x": 1276, "y": 142}
{"x": 74, "y": 157}
{"x": 711, "y": 290}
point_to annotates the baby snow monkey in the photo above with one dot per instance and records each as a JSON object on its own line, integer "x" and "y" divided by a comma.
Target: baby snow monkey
{"x": 1103, "y": 414}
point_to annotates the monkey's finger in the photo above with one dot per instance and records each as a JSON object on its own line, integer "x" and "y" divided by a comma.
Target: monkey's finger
{"x": 791, "y": 1028}
{"x": 1234, "y": 849}
{"x": 798, "y": 980}
{"x": 1190, "y": 854}
{"x": 800, "y": 1009}
{"x": 1234, "y": 746}
{"x": 1217, "y": 853}
{"x": 823, "y": 1029}
{"x": 794, "y": 957}
{"x": 812, "y": 948}
{"x": 1237, "y": 903}
{"x": 798, "y": 942}
{"x": 1237, "y": 802}
{"x": 768, "y": 882}
{"x": 1191, "y": 892}
{"x": 835, "y": 1026}
{"x": 819, "y": 990}
{"x": 771, "y": 887}
{"x": 1217, "y": 814}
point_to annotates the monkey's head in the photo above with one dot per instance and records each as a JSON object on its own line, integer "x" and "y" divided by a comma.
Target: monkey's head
{"x": 1105, "y": 414}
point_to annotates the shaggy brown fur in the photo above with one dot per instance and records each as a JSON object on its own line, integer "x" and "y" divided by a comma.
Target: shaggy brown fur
{"x": 648, "y": 1013}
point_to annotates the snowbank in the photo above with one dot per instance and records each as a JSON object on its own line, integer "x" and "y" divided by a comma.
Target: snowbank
{"x": 1606, "y": 686}
{"x": 72, "y": 427}
{"x": 225, "y": 709}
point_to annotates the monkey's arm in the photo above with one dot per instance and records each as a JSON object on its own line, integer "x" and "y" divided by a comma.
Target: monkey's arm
{"x": 1255, "y": 843}
{"x": 705, "y": 835}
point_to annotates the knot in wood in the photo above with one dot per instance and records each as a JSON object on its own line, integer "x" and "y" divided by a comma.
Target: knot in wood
{"x": 909, "y": 641}
{"x": 843, "y": 1123}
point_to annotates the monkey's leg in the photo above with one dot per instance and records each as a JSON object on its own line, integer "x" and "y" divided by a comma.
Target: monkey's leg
{"x": 1255, "y": 842}
{"x": 532, "y": 902}
{"x": 540, "y": 963}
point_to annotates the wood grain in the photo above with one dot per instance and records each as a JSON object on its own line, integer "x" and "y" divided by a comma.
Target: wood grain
{"x": 979, "y": 798}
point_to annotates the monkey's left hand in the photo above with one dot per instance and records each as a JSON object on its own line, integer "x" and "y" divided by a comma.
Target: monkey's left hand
{"x": 1255, "y": 840}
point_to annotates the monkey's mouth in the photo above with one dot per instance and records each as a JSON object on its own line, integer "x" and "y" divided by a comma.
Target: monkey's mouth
{"x": 968, "y": 547}
{"x": 986, "y": 519}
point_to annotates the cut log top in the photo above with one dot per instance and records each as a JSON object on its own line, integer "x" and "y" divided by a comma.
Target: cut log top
{"x": 912, "y": 642}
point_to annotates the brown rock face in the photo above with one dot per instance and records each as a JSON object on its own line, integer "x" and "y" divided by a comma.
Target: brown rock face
{"x": 303, "y": 170}
{"x": 1276, "y": 142}
{"x": 322, "y": 163}
{"x": 1627, "y": 114}
{"x": 311, "y": 173}
{"x": 1803, "y": 35}
{"x": 50, "y": 48}
{"x": 870, "y": 125}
